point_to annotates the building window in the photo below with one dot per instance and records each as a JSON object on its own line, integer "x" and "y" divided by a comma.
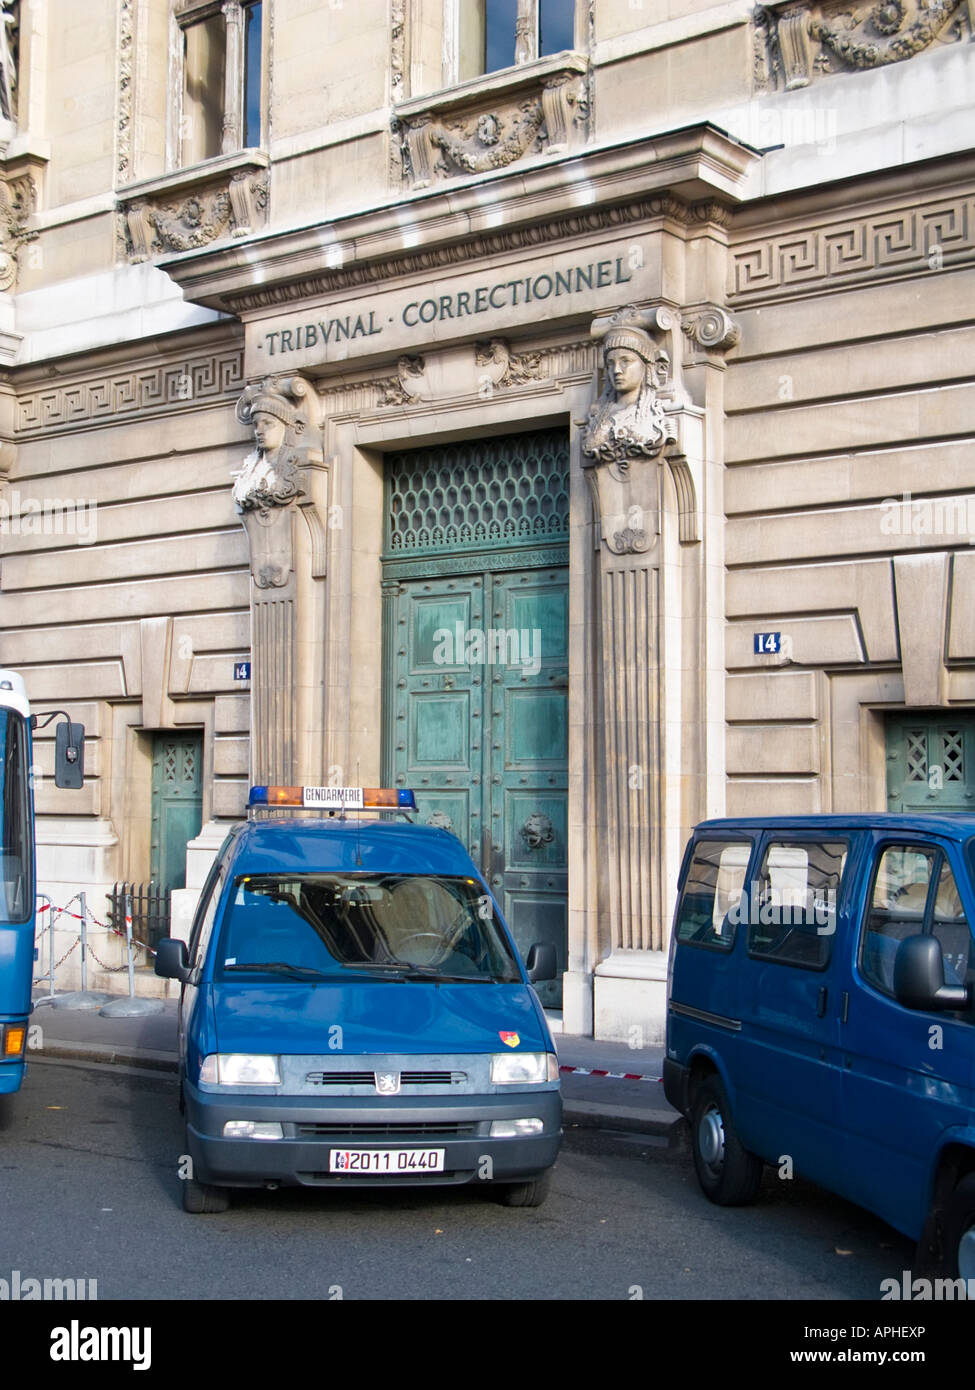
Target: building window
{"x": 219, "y": 48}
{"x": 495, "y": 34}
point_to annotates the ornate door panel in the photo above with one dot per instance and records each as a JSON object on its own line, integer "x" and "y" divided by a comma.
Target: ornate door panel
{"x": 526, "y": 864}
{"x": 177, "y": 805}
{"x": 437, "y": 706}
{"x": 931, "y": 762}
{"x": 476, "y": 664}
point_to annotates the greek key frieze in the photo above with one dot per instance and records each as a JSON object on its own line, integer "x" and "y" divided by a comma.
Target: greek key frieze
{"x": 177, "y": 385}
{"x": 903, "y": 240}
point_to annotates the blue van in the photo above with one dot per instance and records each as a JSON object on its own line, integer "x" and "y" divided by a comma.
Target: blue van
{"x": 354, "y": 1012}
{"x": 820, "y": 1015}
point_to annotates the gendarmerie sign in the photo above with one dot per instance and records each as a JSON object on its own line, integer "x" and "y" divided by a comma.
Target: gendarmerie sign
{"x": 476, "y": 302}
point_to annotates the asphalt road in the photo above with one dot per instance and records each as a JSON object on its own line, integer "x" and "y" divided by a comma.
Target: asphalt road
{"x": 88, "y": 1168}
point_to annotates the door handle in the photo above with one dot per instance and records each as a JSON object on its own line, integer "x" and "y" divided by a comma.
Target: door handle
{"x": 821, "y": 1001}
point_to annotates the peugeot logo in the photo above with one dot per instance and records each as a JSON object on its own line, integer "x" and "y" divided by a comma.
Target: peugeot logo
{"x": 387, "y": 1083}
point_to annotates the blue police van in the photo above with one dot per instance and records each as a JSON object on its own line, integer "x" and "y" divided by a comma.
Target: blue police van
{"x": 821, "y": 1015}
{"x": 354, "y": 1011}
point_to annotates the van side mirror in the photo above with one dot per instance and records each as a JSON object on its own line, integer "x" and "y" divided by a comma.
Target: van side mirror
{"x": 541, "y": 963}
{"x": 69, "y": 755}
{"x": 172, "y": 962}
{"x": 919, "y": 977}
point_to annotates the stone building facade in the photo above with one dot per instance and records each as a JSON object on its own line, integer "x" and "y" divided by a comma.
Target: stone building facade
{"x": 565, "y": 408}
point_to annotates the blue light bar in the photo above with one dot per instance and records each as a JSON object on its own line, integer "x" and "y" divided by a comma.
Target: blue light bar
{"x": 334, "y": 798}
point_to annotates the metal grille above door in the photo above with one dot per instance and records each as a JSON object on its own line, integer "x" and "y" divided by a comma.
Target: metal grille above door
{"x": 476, "y": 663}
{"x": 931, "y": 762}
{"x": 492, "y": 495}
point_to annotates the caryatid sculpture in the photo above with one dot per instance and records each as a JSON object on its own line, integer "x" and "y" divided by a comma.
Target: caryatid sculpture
{"x": 271, "y": 477}
{"x": 627, "y": 423}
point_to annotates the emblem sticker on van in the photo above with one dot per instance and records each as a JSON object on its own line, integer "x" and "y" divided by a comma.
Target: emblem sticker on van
{"x": 510, "y": 1039}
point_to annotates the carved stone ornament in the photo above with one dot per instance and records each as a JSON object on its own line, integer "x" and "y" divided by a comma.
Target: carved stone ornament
{"x": 403, "y": 388}
{"x": 713, "y": 329}
{"x": 540, "y": 110}
{"x": 397, "y": 49}
{"x": 157, "y": 224}
{"x": 807, "y": 38}
{"x": 627, "y": 421}
{"x": 9, "y": 58}
{"x": 273, "y": 476}
{"x": 508, "y": 368}
{"x": 632, "y": 430}
{"x": 18, "y": 198}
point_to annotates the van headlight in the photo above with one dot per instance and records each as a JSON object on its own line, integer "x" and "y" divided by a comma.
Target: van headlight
{"x": 523, "y": 1068}
{"x": 240, "y": 1069}
{"x": 253, "y": 1129}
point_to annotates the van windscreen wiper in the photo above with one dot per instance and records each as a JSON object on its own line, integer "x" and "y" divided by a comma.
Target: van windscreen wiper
{"x": 283, "y": 967}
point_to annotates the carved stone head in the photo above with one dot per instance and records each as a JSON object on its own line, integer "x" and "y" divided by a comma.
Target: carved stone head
{"x": 627, "y": 420}
{"x": 269, "y": 476}
{"x": 266, "y": 407}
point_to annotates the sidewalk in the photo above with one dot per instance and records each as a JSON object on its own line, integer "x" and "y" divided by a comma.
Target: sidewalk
{"x": 629, "y": 1097}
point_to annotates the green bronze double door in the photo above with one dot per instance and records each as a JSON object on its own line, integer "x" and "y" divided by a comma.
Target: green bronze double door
{"x": 476, "y": 656}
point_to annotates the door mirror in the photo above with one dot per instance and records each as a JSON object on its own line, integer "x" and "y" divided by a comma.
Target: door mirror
{"x": 541, "y": 963}
{"x": 919, "y": 977}
{"x": 172, "y": 962}
{"x": 69, "y": 755}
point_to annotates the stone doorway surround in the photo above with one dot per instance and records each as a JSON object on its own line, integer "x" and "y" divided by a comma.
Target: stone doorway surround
{"x": 453, "y": 328}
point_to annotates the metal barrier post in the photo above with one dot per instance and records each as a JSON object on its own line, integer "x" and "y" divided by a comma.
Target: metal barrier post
{"x": 84, "y": 945}
{"x": 128, "y": 944}
{"x": 126, "y": 1008}
{"x": 83, "y": 998}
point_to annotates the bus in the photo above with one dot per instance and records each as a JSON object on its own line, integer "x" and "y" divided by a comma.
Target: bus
{"x": 17, "y": 860}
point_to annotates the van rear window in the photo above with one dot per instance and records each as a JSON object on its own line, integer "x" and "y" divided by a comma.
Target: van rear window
{"x": 713, "y": 888}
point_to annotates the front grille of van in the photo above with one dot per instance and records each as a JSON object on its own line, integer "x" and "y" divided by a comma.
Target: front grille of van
{"x": 368, "y": 1078}
{"x": 404, "y": 1130}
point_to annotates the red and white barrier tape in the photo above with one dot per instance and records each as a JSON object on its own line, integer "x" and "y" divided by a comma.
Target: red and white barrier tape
{"x": 613, "y": 1075}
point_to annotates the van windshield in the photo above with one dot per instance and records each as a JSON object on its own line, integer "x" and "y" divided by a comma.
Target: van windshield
{"x": 397, "y": 926}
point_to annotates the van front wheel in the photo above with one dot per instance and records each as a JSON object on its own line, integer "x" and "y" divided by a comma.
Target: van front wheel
{"x": 729, "y": 1175}
{"x": 960, "y": 1233}
{"x": 525, "y": 1194}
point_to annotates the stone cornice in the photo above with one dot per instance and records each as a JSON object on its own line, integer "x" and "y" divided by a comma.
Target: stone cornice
{"x": 494, "y": 85}
{"x": 563, "y": 197}
{"x": 133, "y": 354}
{"x": 945, "y": 175}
